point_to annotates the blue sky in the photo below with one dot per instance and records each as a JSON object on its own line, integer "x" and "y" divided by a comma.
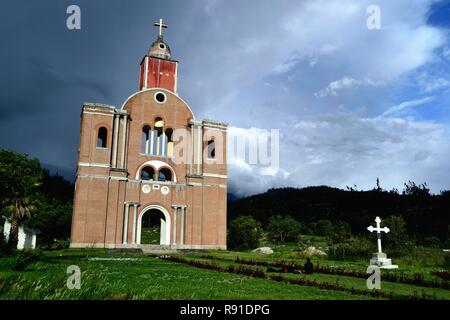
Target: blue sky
{"x": 352, "y": 104}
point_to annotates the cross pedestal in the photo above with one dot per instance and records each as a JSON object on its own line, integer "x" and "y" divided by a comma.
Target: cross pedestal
{"x": 380, "y": 259}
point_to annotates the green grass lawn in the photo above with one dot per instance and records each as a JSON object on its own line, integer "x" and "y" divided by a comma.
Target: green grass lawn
{"x": 400, "y": 289}
{"x": 137, "y": 276}
{"x": 142, "y": 277}
{"x": 405, "y": 266}
{"x": 150, "y": 235}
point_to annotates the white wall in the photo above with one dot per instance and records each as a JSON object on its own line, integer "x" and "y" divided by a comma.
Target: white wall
{"x": 27, "y": 237}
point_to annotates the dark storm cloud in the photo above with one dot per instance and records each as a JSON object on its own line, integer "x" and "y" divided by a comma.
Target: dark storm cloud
{"x": 344, "y": 98}
{"x": 48, "y": 71}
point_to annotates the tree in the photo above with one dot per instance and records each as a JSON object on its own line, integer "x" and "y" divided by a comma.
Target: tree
{"x": 53, "y": 221}
{"x": 56, "y": 187}
{"x": 412, "y": 189}
{"x": 341, "y": 232}
{"x": 378, "y": 186}
{"x": 323, "y": 228}
{"x": 397, "y": 239}
{"x": 20, "y": 179}
{"x": 244, "y": 232}
{"x": 283, "y": 229}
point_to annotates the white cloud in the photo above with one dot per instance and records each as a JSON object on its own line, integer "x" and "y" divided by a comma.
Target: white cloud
{"x": 428, "y": 83}
{"x": 242, "y": 182}
{"x": 263, "y": 66}
{"x": 345, "y": 149}
{"x": 436, "y": 84}
{"x": 242, "y": 48}
{"x": 344, "y": 83}
{"x": 287, "y": 65}
{"x": 395, "y": 110}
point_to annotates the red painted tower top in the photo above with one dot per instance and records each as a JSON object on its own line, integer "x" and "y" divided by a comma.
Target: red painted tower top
{"x": 157, "y": 68}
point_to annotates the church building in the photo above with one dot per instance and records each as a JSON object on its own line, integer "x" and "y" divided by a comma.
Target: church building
{"x": 149, "y": 172}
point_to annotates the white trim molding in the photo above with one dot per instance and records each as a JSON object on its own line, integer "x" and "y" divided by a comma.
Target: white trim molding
{"x": 199, "y": 184}
{"x": 167, "y": 224}
{"x": 156, "y": 164}
{"x": 145, "y": 73}
{"x": 97, "y": 176}
{"x": 214, "y": 175}
{"x": 97, "y": 165}
{"x": 195, "y": 184}
{"x": 99, "y": 113}
{"x": 160, "y": 92}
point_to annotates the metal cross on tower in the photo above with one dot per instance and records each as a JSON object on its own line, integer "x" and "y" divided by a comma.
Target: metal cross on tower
{"x": 378, "y": 230}
{"x": 161, "y": 25}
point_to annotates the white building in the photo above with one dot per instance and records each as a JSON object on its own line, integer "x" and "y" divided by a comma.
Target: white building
{"x": 27, "y": 236}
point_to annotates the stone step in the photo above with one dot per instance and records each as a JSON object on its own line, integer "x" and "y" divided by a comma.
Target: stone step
{"x": 157, "y": 249}
{"x": 154, "y": 246}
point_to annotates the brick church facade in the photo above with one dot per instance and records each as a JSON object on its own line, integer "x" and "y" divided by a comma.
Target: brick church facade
{"x": 150, "y": 163}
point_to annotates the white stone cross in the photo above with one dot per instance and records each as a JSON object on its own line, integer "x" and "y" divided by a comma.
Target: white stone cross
{"x": 161, "y": 25}
{"x": 378, "y": 230}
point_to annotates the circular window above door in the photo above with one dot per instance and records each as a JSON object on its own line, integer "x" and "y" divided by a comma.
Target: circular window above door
{"x": 160, "y": 97}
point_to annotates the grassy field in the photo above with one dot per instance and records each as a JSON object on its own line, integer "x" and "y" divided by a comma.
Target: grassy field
{"x": 137, "y": 276}
{"x": 291, "y": 256}
{"x": 140, "y": 277}
{"x": 150, "y": 235}
{"x": 401, "y": 290}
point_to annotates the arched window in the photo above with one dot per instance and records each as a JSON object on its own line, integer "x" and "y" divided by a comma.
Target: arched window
{"x": 211, "y": 149}
{"x": 169, "y": 147}
{"x": 147, "y": 173}
{"x": 165, "y": 174}
{"x": 159, "y": 137}
{"x": 102, "y": 137}
{"x": 146, "y": 138}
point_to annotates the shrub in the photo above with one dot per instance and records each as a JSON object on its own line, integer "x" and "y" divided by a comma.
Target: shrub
{"x": 396, "y": 242}
{"x": 447, "y": 243}
{"x": 244, "y": 233}
{"x": 443, "y": 274}
{"x": 52, "y": 222}
{"x": 24, "y": 258}
{"x": 341, "y": 232}
{"x": 447, "y": 260}
{"x": 358, "y": 248}
{"x": 61, "y": 244}
{"x": 322, "y": 228}
{"x": 432, "y": 241}
{"x": 422, "y": 257}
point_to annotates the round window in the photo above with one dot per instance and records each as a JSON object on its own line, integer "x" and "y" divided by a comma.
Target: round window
{"x": 162, "y": 46}
{"x": 146, "y": 188}
{"x": 165, "y": 190}
{"x": 160, "y": 97}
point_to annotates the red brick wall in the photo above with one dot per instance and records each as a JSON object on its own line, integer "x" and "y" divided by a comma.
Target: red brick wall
{"x": 102, "y": 191}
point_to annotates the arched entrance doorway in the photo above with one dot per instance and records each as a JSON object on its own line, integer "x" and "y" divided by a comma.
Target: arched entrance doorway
{"x": 154, "y": 226}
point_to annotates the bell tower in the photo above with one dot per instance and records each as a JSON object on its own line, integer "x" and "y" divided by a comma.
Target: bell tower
{"x": 158, "y": 70}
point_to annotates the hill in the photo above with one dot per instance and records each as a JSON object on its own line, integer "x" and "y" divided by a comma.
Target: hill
{"x": 424, "y": 213}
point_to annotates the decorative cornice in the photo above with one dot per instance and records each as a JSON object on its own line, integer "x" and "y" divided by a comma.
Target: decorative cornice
{"x": 215, "y": 123}
{"x": 98, "y": 105}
